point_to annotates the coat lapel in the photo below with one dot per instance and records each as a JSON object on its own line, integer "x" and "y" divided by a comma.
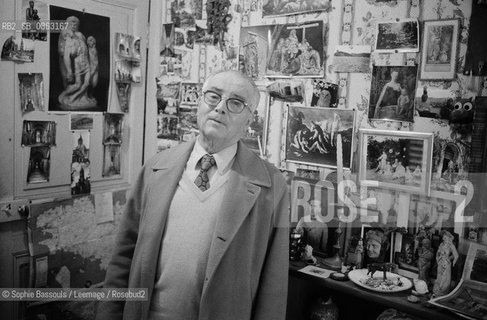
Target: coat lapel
{"x": 247, "y": 176}
{"x": 166, "y": 174}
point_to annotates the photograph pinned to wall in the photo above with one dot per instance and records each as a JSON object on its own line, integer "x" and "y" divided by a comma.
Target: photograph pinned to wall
{"x": 123, "y": 93}
{"x": 167, "y": 40}
{"x": 113, "y": 128}
{"x": 136, "y": 46}
{"x": 308, "y": 173}
{"x": 430, "y": 213}
{"x": 483, "y": 88}
{"x": 392, "y": 93}
{"x": 31, "y": 86}
{"x": 124, "y": 45}
{"x": 439, "y": 52}
{"x": 351, "y": 59}
{"x": 167, "y": 129}
{"x": 451, "y": 158}
{"x": 395, "y": 159}
{"x": 297, "y": 49}
{"x": 283, "y": 8}
{"x": 230, "y": 58}
{"x": 256, "y": 135}
{"x": 111, "y": 160}
{"x": 167, "y": 97}
{"x": 185, "y": 13}
{"x": 202, "y": 35}
{"x": 38, "y": 133}
{"x": 434, "y": 101}
{"x": 171, "y": 66}
{"x": 190, "y": 93}
{"x": 325, "y": 94}
{"x": 80, "y": 121}
{"x": 80, "y": 163}
{"x": 18, "y": 49}
{"x": 253, "y": 54}
{"x": 82, "y": 82}
{"x": 289, "y": 91}
{"x": 184, "y": 38}
{"x": 39, "y": 164}
{"x": 311, "y": 136}
{"x": 188, "y": 126}
{"x": 34, "y": 12}
{"x": 123, "y": 70}
{"x": 401, "y": 35}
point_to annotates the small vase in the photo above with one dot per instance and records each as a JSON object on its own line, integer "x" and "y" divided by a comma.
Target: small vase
{"x": 322, "y": 310}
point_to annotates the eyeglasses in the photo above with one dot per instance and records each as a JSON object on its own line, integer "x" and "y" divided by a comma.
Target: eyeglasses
{"x": 234, "y": 105}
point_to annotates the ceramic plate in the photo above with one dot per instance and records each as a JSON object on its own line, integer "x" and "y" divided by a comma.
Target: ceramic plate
{"x": 394, "y": 283}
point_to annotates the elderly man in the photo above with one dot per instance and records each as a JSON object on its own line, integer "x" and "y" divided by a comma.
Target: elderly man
{"x": 205, "y": 228}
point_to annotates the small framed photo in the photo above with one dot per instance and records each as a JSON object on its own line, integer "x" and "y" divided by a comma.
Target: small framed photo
{"x": 401, "y": 35}
{"x": 396, "y": 160}
{"x": 311, "y": 136}
{"x": 439, "y": 52}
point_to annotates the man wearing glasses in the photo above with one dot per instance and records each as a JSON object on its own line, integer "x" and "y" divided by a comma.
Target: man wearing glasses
{"x": 205, "y": 228}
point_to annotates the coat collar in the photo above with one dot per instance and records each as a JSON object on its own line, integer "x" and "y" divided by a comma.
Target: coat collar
{"x": 246, "y": 163}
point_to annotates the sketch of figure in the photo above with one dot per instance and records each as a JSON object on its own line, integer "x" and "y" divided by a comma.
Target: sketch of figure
{"x": 74, "y": 62}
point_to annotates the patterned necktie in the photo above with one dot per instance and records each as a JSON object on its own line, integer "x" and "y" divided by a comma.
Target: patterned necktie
{"x": 202, "y": 181}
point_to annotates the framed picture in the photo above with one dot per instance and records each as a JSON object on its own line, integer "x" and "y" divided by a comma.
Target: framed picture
{"x": 112, "y": 129}
{"x": 439, "y": 52}
{"x": 311, "y": 135}
{"x": 434, "y": 101}
{"x": 396, "y": 160}
{"x": 401, "y": 35}
{"x": 282, "y": 8}
{"x": 392, "y": 93}
{"x": 325, "y": 94}
{"x": 256, "y": 135}
{"x": 253, "y": 50}
{"x": 297, "y": 50}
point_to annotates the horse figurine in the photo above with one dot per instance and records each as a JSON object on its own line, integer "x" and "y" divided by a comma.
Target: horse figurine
{"x": 384, "y": 267}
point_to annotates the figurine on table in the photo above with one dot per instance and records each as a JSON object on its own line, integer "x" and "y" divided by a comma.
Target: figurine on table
{"x": 444, "y": 256}
{"x": 424, "y": 260}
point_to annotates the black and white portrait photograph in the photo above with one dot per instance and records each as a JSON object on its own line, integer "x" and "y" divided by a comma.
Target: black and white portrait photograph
{"x": 397, "y": 36}
{"x": 112, "y": 128}
{"x": 396, "y": 160}
{"x": 38, "y": 133}
{"x": 311, "y": 135}
{"x": 79, "y": 62}
{"x": 80, "y": 163}
{"x": 297, "y": 49}
{"x": 392, "y": 93}
{"x": 31, "y": 87}
{"x": 325, "y": 94}
{"x": 39, "y": 164}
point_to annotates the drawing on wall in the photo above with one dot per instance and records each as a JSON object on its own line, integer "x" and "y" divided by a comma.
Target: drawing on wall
{"x": 397, "y": 36}
{"x": 256, "y": 134}
{"x": 31, "y": 88}
{"x": 253, "y": 50}
{"x": 39, "y": 164}
{"x": 38, "y": 133}
{"x": 297, "y": 49}
{"x": 311, "y": 135}
{"x": 281, "y": 8}
{"x": 35, "y": 11}
{"x": 396, "y": 160}
{"x": 190, "y": 93}
{"x": 433, "y": 101}
{"x": 80, "y": 163}
{"x": 392, "y": 93}
{"x": 79, "y": 62}
{"x": 111, "y": 160}
{"x": 439, "y": 54}
{"x": 113, "y": 128}
{"x": 18, "y": 49}
{"x": 325, "y": 94}
{"x": 80, "y": 121}
{"x": 351, "y": 59}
